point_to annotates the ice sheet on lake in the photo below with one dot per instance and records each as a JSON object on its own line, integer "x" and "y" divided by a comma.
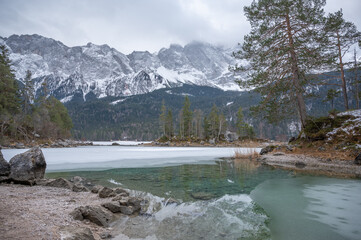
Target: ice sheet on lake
{"x": 107, "y": 157}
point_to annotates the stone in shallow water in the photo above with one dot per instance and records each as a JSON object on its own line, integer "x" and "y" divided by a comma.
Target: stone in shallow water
{"x": 202, "y": 195}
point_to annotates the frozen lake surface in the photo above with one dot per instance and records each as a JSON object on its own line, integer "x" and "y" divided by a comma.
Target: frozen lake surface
{"x": 107, "y": 157}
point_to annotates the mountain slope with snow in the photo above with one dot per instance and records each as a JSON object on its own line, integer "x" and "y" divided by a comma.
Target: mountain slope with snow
{"x": 101, "y": 71}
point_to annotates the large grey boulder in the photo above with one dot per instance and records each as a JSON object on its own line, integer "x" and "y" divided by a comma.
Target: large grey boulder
{"x": 28, "y": 166}
{"x": 4, "y": 166}
{"x": 95, "y": 214}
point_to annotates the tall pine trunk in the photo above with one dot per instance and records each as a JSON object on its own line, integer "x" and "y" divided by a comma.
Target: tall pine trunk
{"x": 357, "y": 98}
{"x": 344, "y": 89}
{"x": 296, "y": 76}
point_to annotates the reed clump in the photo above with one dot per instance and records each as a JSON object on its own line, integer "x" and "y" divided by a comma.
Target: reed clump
{"x": 249, "y": 155}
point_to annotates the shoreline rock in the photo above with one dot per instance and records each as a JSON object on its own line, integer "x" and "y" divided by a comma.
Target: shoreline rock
{"x": 312, "y": 165}
{"x": 27, "y": 167}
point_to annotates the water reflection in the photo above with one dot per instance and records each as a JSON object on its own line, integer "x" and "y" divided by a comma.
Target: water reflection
{"x": 186, "y": 181}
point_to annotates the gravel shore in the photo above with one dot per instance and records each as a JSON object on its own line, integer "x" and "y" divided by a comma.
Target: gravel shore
{"x": 40, "y": 212}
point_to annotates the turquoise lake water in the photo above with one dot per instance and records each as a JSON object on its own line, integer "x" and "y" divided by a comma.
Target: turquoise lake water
{"x": 245, "y": 200}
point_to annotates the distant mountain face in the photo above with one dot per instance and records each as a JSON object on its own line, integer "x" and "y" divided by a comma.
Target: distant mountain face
{"x": 100, "y": 71}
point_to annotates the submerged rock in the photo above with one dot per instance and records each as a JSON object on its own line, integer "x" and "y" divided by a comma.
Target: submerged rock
{"x": 28, "y": 166}
{"x": 202, "y": 195}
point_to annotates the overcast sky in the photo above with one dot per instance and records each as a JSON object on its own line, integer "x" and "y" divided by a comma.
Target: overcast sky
{"x": 129, "y": 25}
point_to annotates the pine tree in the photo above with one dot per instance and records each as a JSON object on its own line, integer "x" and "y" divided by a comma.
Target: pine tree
{"x": 240, "y": 124}
{"x": 330, "y": 97}
{"x": 169, "y": 124}
{"x": 341, "y": 35}
{"x": 27, "y": 93}
{"x": 355, "y": 80}
{"x": 187, "y": 117}
{"x": 163, "y": 117}
{"x": 213, "y": 119}
{"x": 222, "y": 125}
{"x": 9, "y": 98}
{"x": 206, "y": 128}
{"x": 197, "y": 123}
{"x": 283, "y": 45}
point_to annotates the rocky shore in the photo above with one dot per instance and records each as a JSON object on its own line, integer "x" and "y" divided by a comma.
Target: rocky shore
{"x": 59, "y": 143}
{"x": 32, "y": 207}
{"x": 311, "y": 164}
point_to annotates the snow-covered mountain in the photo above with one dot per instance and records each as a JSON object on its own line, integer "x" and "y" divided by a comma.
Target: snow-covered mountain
{"x": 104, "y": 71}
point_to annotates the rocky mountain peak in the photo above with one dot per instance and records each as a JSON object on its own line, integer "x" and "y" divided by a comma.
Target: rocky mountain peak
{"x": 104, "y": 71}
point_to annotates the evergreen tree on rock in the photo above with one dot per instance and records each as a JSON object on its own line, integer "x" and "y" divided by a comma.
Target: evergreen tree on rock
{"x": 284, "y": 44}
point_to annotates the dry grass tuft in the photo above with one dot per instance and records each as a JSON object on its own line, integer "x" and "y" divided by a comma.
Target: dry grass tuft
{"x": 250, "y": 154}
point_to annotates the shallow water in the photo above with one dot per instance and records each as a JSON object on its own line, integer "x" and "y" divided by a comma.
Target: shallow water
{"x": 245, "y": 200}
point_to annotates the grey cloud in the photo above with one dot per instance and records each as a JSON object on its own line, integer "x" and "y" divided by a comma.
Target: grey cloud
{"x": 138, "y": 24}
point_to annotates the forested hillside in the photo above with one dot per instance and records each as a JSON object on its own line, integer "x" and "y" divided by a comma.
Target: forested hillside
{"x": 137, "y": 117}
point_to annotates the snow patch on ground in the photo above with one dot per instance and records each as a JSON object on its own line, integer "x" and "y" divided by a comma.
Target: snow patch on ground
{"x": 349, "y": 127}
{"x": 117, "y": 101}
{"x": 66, "y": 99}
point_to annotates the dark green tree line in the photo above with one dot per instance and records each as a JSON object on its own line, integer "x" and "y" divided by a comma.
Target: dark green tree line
{"x": 22, "y": 117}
